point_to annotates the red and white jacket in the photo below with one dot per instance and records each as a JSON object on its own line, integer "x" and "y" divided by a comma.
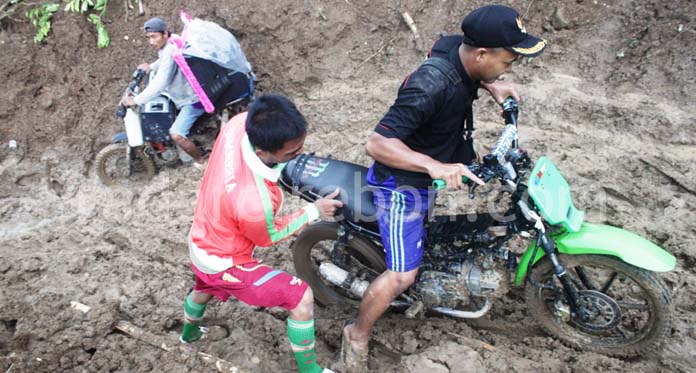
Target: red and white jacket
{"x": 237, "y": 204}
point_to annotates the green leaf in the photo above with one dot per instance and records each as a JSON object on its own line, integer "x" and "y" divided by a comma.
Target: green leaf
{"x": 102, "y": 36}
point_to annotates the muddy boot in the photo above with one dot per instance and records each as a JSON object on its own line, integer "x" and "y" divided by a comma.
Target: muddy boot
{"x": 353, "y": 360}
{"x": 193, "y": 314}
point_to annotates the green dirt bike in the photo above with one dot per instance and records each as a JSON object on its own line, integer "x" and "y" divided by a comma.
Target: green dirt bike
{"x": 594, "y": 287}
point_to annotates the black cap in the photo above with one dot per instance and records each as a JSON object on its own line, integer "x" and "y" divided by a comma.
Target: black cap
{"x": 155, "y": 25}
{"x": 498, "y": 26}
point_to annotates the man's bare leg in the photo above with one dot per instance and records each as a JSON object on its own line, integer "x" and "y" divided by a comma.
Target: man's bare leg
{"x": 188, "y": 146}
{"x": 381, "y": 292}
{"x": 301, "y": 334}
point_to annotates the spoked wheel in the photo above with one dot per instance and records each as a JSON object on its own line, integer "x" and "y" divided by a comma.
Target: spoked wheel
{"x": 628, "y": 310}
{"x": 113, "y": 166}
{"x": 314, "y": 246}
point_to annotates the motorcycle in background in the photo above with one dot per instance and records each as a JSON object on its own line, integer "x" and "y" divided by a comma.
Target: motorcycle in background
{"x": 135, "y": 155}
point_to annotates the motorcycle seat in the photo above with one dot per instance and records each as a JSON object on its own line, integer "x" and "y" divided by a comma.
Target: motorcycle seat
{"x": 312, "y": 177}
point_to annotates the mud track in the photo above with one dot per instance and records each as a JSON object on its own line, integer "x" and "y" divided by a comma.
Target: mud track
{"x": 610, "y": 102}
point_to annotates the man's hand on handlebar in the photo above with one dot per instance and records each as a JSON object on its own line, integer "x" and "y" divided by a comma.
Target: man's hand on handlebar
{"x": 144, "y": 67}
{"x": 128, "y": 101}
{"x": 500, "y": 90}
{"x": 452, "y": 174}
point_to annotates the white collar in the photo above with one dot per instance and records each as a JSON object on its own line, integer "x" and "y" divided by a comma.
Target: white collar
{"x": 255, "y": 164}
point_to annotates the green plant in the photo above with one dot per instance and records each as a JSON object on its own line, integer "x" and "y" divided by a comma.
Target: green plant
{"x": 40, "y": 17}
{"x": 99, "y": 6}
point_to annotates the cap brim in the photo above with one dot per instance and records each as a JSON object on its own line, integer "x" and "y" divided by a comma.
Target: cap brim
{"x": 531, "y": 46}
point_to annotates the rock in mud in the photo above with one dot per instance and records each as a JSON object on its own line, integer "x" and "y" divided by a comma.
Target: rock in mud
{"x": 447, "y": 357}
{"x": 410, "y": 343}
{"x": 558, "y": 21}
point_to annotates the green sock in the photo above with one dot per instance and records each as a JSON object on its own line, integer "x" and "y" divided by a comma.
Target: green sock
{"x": 301, "y": 335}
{"x": 193, "y": 313}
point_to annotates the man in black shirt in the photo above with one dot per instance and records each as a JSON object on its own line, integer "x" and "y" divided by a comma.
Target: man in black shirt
{"x": 426, "y": 135}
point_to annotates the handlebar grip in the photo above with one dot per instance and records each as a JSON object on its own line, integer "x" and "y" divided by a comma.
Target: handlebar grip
{"x": 121, "y": 113}
{"x": 510, "y": 110}
{"x": 440, "y": 184}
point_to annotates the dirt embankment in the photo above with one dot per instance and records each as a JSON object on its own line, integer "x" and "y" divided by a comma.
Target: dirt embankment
{"x": 611, "y": 102}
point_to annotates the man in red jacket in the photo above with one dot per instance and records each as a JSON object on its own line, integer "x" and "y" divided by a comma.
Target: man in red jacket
{"x": 236, "y": 211}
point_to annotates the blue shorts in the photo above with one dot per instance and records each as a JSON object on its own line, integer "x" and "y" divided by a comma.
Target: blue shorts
{"x": 185, "y": 120}
{"x": 401, "y": 215}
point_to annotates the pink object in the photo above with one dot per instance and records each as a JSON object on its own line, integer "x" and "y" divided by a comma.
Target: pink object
{"x": 179, "y": 42}
{"x": 242, "y": 282}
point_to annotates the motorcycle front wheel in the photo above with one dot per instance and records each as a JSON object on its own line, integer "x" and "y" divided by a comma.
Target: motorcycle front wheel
{"x": 628, "y": 310}
{"x": 114, "y": 168}
{"x": 314, "y": 246}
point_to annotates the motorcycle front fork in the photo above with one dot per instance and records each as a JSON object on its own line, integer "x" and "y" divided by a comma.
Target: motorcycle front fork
{"x": 559, "y": 270}
{"x": 129, "y": 158}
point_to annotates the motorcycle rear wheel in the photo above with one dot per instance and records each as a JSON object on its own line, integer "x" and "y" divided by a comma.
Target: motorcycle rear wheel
{"x": 112, "y": 165}
{"x": 313, "y": 247}
{"x": 631, "y": 309}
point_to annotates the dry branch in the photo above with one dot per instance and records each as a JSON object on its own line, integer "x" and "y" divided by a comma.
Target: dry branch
{"x": 473, "y": 342}
{"x": 674, "y": 178}
{"x": 414, "y": 30}
{"x": 157, "y": 341}
{"x": 375, "y": 54}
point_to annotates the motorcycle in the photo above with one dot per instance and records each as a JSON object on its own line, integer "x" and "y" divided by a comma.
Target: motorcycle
{"x": 594, "y": 287}
{"x": 145, "y": 146}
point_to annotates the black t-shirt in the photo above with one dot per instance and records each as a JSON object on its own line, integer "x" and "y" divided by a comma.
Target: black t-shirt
{"x": 430, "y": 115}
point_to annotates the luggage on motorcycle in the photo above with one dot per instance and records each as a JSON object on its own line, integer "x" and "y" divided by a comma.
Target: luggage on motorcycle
{"x": 313, "y": 177}
{"x": 213, "y": 63}
{"x": 222, "y": 86}
{"x": 156, "y": 117}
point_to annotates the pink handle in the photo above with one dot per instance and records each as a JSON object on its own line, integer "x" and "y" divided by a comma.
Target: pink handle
{"x": 179, "y": 42}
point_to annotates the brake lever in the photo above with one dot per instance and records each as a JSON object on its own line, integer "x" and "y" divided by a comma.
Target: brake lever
{"x": 472, "y": 189}
{"x": 485, "y": 174}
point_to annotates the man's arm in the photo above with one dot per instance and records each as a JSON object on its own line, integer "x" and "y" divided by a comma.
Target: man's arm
{"x": 165, "y": 71}
{"x": 155, "y": 65}
{"x": 394, "y": 153}
{"x": 280, "y": 227}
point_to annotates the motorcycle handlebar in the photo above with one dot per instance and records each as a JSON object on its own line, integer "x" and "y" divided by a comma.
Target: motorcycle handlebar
{"x": 511, "y": 111}
{"x": 121, "y": 113}
{"x": 138, "y": 76}
{"x": 506, "y": 140}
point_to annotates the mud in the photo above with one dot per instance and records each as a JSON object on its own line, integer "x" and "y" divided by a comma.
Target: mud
{"x": 610, "y": 102}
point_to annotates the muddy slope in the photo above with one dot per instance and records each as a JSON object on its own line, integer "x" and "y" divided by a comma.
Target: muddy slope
{"x": 611, "y": 102}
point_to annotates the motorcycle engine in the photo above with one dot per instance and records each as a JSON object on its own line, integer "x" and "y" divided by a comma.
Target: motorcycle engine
{"x": 169, "y": 154}
{"x": 487, "y": 279}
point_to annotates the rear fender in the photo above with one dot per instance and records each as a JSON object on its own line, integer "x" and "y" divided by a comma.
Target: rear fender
{"x": 600, "y": 239}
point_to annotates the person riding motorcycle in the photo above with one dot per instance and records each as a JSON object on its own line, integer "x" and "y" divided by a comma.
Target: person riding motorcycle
{"x": 169, "y": 78}
{"x": 426, "y": 135}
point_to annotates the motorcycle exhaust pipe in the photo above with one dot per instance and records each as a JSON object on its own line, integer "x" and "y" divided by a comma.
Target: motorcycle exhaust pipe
{"x": 465, "y": 314}
{"x": 340, "y": 277}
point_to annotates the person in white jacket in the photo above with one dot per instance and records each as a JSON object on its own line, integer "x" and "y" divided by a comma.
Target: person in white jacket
{"x": 169, "y": 79}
